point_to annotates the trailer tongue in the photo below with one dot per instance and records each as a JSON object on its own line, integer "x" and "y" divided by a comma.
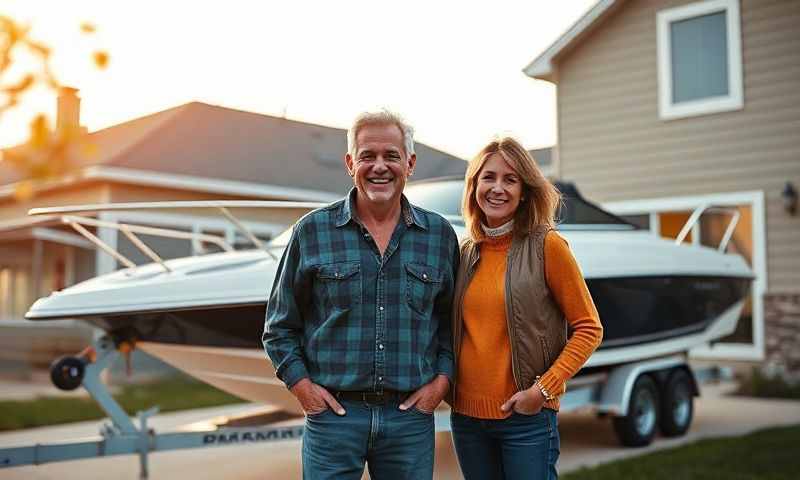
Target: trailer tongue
{"x": 122, "y": 436}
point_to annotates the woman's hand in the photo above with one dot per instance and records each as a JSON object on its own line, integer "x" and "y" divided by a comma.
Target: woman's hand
{"x": 526, "y": 402}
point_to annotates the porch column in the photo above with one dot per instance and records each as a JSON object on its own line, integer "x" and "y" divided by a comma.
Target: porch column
{"x": 37, "y": 264}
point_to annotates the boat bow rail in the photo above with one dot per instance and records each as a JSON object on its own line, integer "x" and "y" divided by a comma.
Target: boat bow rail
{"x": 695, "y": 217}
{"x": 75, "y": 216}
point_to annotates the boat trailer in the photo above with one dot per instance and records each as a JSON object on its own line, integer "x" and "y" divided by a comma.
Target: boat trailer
{"x": 122, "y": 436}
{"x": 640, "y": 397}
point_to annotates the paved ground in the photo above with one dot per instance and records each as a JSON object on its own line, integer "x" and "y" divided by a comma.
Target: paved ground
{"x": 586, "y": 440}
{"x": 25, "y": 390}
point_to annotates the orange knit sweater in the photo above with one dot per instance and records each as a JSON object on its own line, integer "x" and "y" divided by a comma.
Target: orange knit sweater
{"x": 485, "y": 379}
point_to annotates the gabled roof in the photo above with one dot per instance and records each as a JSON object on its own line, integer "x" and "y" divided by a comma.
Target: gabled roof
{"x": 543, "y": 66}
{"x": 197, "y": 140}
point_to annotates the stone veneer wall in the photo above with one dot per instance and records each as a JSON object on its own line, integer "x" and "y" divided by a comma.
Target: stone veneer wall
{"x": 782, "y": 331}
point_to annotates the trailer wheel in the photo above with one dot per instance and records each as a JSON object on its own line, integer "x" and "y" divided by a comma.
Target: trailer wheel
{"x": 67, "y": 373}
{"x": 677, "y": 404}
{"x": 638, "y": 427}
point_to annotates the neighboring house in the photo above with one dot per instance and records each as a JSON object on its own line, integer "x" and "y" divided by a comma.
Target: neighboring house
{"x": 544, "y": 158}
{"x": 191, "y": 152}
{"x": 664, "y": 106}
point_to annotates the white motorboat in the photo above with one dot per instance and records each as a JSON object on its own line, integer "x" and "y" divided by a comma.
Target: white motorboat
{"x": 205, "y": 314}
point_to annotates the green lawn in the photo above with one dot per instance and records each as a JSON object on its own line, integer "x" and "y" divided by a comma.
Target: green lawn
{"x": 173, "y": 394}
{"x": 765, "y": 455}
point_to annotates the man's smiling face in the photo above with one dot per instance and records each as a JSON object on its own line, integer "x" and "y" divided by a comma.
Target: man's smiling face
{"x": 380, "y": 165}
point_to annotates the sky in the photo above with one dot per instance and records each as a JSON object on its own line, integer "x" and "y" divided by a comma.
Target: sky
{"x": 451, "y": 69}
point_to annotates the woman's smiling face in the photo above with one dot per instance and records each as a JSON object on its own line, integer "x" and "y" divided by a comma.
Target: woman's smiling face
{"x": 498, "y": 191}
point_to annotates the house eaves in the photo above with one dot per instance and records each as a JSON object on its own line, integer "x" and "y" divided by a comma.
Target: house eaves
{"x": 181, "y": 182}
{"x": 543, "y": 67}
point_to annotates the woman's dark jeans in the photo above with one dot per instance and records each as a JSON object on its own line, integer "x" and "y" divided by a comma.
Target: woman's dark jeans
{"x": 518, "y": 447}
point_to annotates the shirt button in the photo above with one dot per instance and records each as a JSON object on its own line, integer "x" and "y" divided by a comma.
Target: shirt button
{"x": 424, "y": 276}
{"x": 380, "y": 379}
{"x": 336, "y": 274}
{"x": 380, "y": 346}
{"x": 380, "y": 308}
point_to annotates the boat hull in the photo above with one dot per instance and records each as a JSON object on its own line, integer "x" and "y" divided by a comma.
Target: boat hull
{"x": 247, "y": 373}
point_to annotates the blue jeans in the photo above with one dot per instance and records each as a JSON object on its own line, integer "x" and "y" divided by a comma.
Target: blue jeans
{"x": 395, "y": 444}
{"x": 520, "y": 446}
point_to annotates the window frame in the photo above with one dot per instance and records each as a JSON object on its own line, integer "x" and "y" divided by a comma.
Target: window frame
{"x": 734, "y": 100}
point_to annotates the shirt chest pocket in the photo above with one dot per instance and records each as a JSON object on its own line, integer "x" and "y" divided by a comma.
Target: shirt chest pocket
{"x": 423, "y": 283}
{"x": 340, "y": 284}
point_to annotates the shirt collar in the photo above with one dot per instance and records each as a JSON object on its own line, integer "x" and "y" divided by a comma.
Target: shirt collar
{"x": 408, "y": 212}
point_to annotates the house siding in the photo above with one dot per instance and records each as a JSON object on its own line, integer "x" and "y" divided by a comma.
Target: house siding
{"x": 614, "y": 146}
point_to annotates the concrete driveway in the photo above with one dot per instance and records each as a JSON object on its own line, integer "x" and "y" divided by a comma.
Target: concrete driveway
{"x": 586, "y": 440}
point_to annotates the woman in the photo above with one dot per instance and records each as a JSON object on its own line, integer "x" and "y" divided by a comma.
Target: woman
{"x": 517, "y": 290}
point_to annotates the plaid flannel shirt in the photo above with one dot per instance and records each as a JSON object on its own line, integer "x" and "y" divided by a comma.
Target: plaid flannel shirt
{"x": 351, "y": 319}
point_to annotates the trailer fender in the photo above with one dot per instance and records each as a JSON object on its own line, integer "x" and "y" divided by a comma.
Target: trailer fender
{"x": 616, "y": 393}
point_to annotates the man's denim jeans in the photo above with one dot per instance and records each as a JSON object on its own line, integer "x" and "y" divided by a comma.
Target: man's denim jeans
{"x": 395, "y": 444}
{"x": 520, "y": 446}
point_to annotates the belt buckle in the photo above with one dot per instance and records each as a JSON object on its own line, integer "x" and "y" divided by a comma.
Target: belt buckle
{"x": 377, "y": 398}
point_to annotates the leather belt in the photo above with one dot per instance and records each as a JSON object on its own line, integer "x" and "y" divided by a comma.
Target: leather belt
{"x": 370, "y": 396}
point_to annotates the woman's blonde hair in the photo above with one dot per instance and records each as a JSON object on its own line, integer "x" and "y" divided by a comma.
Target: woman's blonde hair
{"x": 540, "y": 198}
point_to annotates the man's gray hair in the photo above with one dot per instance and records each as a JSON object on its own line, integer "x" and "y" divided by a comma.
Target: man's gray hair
{"x": 382, "y": 117}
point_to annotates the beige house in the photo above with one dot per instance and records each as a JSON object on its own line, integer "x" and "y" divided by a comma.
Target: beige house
{"x": 668, "y": 105}
{"x": 191, "y": 152}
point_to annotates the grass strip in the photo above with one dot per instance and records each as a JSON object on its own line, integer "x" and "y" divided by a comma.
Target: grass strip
{"x": 769, "y": 454}
{"x": 759, "y": 384}
{"x": 170, "y": 395}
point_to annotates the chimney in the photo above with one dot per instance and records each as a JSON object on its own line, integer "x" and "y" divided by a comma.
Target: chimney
{"x": 68, "y": 119}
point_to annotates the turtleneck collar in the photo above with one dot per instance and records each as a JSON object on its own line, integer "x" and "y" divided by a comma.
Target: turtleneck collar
{"x": 503, "y": 229}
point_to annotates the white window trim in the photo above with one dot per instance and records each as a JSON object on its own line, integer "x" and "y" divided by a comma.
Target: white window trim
{"x": 756, "y": 201}
{"x": 735, "y": 98}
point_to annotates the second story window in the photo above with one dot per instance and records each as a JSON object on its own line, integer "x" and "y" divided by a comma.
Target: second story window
{"x": 699, "y": 59}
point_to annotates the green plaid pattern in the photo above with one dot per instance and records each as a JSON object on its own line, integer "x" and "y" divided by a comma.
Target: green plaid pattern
{"x": 351, "y": 319}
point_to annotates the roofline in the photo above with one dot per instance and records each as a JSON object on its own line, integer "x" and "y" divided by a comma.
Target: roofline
{"x": 182, "y": 182}
{"x": 542, "y": 67}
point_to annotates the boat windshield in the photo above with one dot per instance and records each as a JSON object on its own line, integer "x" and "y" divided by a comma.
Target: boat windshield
{"x": 444, "y": 197}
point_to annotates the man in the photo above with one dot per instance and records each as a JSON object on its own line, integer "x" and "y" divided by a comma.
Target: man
{"x": 358, "y": 322}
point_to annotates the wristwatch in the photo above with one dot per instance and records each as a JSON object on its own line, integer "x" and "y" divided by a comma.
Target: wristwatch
{"x": 547, "y": 396}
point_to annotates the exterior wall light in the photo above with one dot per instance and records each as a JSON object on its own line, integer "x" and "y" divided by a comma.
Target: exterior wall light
{"x": 789, "y": 196}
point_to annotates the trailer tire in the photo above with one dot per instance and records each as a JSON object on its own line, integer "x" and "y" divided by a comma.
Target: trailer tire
{"x": 67, "y": 372}
{"x": 677, "y": 404}
{"x": 638, "y": 427}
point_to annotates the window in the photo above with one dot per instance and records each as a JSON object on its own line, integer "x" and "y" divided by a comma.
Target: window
{"x": 699, "y": 59}
{"x": 15, "y": 294}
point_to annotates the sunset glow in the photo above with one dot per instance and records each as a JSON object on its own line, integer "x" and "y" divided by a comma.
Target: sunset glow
{"x": 454, "y": 71}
